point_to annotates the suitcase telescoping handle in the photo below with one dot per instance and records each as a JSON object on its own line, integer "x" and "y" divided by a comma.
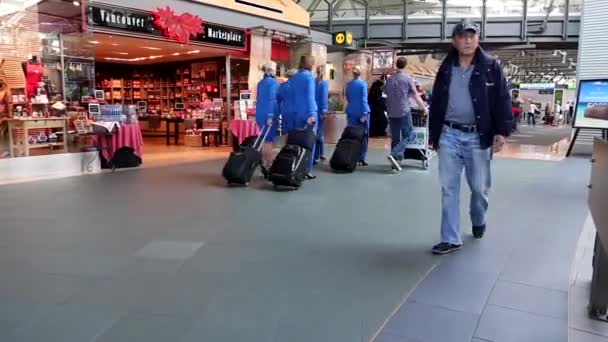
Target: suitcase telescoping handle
{"x": 259, "y": 141}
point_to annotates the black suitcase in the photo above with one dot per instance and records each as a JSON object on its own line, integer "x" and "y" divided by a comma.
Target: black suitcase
{"x": 289, "y": 167}
{"x": 302, "y": 137}
{"x": 354, "y": 133}
{"x": 346, "y": 155}
{"x": 241, "y": 165}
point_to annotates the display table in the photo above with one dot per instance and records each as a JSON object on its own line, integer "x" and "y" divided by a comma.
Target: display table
{"x": 243, "y": 129}
{"x": 128, "y": 135}
{"x": 24, "y": 125}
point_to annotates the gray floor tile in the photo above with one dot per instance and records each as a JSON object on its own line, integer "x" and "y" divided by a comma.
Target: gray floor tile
{"x": 578, "y": 315}
{"x": 456, "y": 289}
{"x": 40, "y": 288}
{"x": 582, "y": 336}
{"x": 506, "y": 325}
{"x": 530, "y": 299}
{"x": 386, "y": 337}
{"x": 180, "y": 250}
{"x": 547, "y": 270}
{"x": 428, "y": 323}
{"x": 475, "y": 339}
{"x": 148, "y": 328}
{"x": 69, "y": 323}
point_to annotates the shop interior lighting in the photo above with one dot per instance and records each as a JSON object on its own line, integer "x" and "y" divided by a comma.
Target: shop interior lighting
{"x": 151, "y": 48}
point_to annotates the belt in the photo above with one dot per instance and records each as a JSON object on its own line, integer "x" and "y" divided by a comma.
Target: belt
{"x": 461, "y": 127}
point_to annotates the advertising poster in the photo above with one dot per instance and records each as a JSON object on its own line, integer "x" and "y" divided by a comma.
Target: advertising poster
{"x": 592, "y": 105}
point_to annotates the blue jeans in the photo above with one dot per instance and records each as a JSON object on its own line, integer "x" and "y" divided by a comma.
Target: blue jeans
{"x": 401, "y": 132}
{"x": 458, "y": 150}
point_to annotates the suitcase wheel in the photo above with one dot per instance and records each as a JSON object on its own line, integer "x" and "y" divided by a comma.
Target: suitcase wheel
{"x": 425, "y": 164}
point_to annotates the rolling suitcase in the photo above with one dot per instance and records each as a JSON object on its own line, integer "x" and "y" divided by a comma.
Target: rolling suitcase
{"x": 348, "y": 150}
{"x": 289, "y": 167}
{"x": 346, "y": 155}
{"x": 241, "y": 165}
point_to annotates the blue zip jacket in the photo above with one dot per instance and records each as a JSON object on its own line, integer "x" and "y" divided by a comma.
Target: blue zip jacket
{"x": 304, "y": 104}
{"x": 356, "y": 95}
{"x": 489, "y": 92}
{"x": 322, "y": 96}
{"x": 266, "y": 106}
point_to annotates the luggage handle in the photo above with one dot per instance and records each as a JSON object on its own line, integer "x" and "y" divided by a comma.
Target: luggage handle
{"x": 259, "y": 141}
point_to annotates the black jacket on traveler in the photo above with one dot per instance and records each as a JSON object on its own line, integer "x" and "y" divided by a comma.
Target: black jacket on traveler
{"x": 489, "y": 92}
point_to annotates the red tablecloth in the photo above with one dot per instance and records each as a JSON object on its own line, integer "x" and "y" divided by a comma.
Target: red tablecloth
{"x": 243, "y": 128}
{"x": 127, "y": 135}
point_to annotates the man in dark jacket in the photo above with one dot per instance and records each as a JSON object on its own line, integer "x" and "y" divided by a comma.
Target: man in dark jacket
{"x": 470, "y": 118}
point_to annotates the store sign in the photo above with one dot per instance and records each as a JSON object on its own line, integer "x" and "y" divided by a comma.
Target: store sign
{"x": 536, "y": 86}
{"x": 178, "y": 27}
{"x": 344, "y": 38}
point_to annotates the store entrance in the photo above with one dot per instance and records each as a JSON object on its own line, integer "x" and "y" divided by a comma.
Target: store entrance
{"x": 179, "y": 92}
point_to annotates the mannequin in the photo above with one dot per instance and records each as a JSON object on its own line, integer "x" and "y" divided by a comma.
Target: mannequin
{"x": 33, "y": 70}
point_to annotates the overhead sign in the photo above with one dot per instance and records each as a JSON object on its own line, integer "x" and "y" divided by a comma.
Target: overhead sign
{"x": 592, "y": 105}
{"x": 343, "y": 38}
{"x": 147, "y": 23}
{"x": 536, "y": 86}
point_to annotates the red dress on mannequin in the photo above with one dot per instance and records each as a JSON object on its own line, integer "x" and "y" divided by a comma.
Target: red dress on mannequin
{"x": 33, "y": 77}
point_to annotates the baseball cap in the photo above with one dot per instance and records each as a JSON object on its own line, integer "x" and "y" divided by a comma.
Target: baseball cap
{"x": 464, "y": 26}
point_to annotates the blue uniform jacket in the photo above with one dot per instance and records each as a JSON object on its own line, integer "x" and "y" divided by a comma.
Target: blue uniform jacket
{"x": 266, "y": 106}
{"x": 356, "y": 95}
{"x": 489, "y": 92}
{"x": 322, "y": 96}
{"x": 285, "y": 101}
{"x": 304, "y": 104}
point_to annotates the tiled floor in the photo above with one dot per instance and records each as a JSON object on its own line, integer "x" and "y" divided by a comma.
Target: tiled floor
{"x": 512, "y": 286}
{"x": 582, "y": 328}
{"x": 170, "y": 254}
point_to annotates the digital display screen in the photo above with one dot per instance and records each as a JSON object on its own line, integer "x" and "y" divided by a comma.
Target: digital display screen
{"x": 592, "y": 105}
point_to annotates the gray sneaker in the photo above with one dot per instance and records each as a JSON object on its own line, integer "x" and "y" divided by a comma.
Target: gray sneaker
{"x": 394, "y": 163}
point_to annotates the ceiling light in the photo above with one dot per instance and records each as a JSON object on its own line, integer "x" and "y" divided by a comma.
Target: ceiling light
{"x": 93, "y": 42}
{"x": 114, "y": 44}
{"x": 121, "y": 53}
{"x": 150, "y": 48}
{"x": 76, "y": 3}
{"x": 175, "y": 54}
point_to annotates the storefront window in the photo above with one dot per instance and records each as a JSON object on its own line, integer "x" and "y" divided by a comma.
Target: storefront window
{"x": 36, "y": 43}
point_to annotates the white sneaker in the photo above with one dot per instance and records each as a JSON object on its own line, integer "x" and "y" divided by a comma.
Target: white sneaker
{"x": 394, "y": 163}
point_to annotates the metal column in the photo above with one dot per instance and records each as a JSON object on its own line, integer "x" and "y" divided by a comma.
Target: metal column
{"x": 404, "y": 29}
{"x": 484, "y": 18}
{"x": 444, "y": 18}
{"x": 524, "y": 22}
{"x": 566, "y": 20}
{"x": 228, "y": 96}
{"x": 330, "y": 15}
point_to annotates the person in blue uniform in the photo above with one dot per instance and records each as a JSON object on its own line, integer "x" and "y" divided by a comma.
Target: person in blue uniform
{"x": 266, "y": 112}
{"x": 304, "y": 104}
{"x": 322, "y": 99}
{"x": 357, "y": 109}
{"x": 285, "y": 99}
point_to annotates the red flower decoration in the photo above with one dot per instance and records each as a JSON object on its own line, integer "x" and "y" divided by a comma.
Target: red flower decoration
{"x": 177, "y": 27}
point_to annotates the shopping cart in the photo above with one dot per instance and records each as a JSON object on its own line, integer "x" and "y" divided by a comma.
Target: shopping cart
{"x": 418, "y": 145}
